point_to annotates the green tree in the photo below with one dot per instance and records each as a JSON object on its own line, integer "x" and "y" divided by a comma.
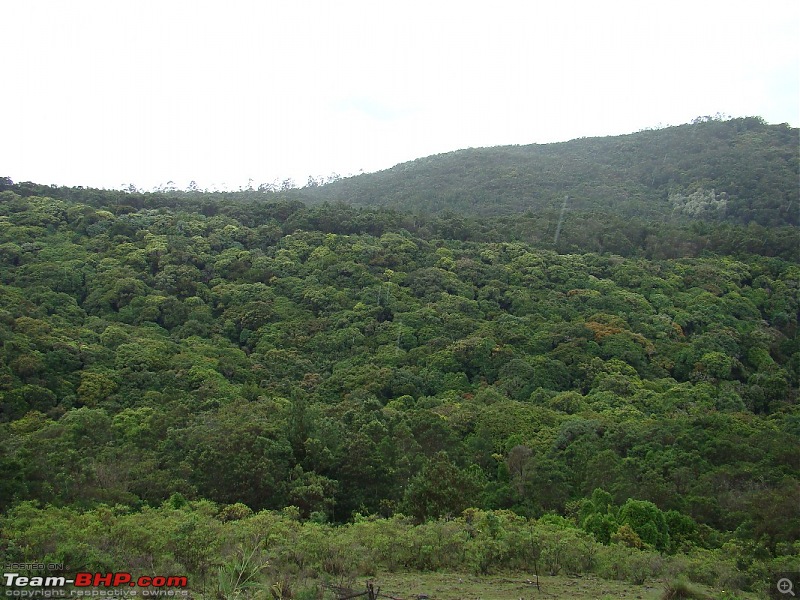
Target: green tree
{"x": 647, "y": 521}
{"x": 441, "y": 488}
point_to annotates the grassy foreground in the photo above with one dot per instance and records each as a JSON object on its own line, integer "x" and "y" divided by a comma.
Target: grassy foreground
{"x": 455, "y": 586}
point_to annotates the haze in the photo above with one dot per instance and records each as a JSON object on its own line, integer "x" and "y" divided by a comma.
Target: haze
{"x": 106, "y": 94}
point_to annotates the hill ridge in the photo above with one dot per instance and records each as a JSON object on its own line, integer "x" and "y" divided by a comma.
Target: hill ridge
{"x": 744, "y": 170}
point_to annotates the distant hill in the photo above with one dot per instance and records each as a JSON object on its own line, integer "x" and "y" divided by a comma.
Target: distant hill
{"x": 740, "y": 171}
{"x": 728, "y": 187}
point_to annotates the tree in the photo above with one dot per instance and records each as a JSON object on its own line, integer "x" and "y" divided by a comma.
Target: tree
{"x": 239, "y": 453}
{"x": 647, "y": 521}
{"x": 441, "y": 488}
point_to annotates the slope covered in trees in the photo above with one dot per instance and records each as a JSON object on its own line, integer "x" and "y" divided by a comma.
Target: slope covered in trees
{"x": 739, "y": 171}
{"x": 614, "y": 392}
{"x": 247, "y": 355}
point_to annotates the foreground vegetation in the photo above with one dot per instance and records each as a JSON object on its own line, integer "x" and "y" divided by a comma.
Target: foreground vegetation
{"x": 231, "y": 552}
{"x": 427, "y": 392}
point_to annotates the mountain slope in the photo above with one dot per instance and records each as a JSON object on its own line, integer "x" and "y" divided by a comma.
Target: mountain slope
{"x": 741, "y": 170}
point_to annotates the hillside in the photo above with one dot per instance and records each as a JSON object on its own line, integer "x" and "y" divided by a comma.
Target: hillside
{"x": 273, "y": 394}
{"x": 200, "y": 365}
{"x": 737, "y": 171}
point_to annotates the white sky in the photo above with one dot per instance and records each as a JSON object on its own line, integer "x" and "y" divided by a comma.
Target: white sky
{"x": 110, "y": 92}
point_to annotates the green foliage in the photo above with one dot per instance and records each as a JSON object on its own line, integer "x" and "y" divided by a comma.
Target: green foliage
{"x": 711, "y": 170}
{"x": 682, "y": 590}
{"x": 167, "y": 354}
{"x": 439, "y": 489}
{"x": 647, "y": 522}
{"x": 242, "y": 572}
{"x": 256, "y": 552}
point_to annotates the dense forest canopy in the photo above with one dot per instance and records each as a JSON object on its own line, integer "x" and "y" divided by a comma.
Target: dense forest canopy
{"x": 630, "y": 381}
{"x": 739, "y": 170}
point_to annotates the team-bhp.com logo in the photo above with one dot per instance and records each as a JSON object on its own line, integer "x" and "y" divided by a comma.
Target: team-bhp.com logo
{"x": 154, "y": 586}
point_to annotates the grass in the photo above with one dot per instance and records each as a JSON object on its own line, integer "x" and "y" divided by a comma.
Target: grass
{"x": 683, "y": 590}
{"x": 450, "y": 586}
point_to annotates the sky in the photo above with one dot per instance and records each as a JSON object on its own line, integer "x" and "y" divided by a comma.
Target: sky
{"x": 103, "y": 93}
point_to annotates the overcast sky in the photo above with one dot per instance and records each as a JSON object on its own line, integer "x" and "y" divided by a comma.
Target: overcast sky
{"x": 105, "y": 93}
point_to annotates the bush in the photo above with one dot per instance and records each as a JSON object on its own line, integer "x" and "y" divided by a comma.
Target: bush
{"x": 682, "y": 590}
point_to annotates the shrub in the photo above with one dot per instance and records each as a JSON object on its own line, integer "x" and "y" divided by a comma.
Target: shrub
{"x": 682, "y": 590}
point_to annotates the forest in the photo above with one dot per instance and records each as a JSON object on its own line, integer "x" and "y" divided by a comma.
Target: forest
{"x": 272, "y": 390}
